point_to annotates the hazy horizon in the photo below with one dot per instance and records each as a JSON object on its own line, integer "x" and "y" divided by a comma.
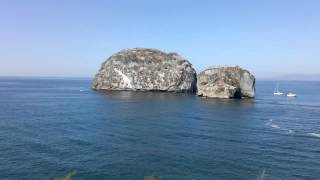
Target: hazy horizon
{"x": 271, "y": 39}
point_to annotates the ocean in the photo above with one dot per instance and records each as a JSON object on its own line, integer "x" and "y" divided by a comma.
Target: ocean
{"x": 51, "y": 127}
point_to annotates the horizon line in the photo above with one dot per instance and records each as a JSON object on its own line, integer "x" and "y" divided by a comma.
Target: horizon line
{"x": 92, "y": 77}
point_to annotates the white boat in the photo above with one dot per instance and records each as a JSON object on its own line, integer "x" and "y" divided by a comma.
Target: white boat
{"x": 277, "y": 92}
{"x": 291, "y": 95}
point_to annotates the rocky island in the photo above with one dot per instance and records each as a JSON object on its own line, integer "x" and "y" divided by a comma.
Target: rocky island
{"x": 145, "y": 69}
{"x": 226, "y": 82}
{"x": 142, "y": 69}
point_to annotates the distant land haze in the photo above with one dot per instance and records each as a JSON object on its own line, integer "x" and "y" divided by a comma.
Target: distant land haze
{"x": 295, "y": 77}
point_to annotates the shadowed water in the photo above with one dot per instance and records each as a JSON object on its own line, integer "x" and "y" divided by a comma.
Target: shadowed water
{"x": 51, "y": 127}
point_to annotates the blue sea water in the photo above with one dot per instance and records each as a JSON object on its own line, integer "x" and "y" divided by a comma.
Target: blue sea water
{"x": 49, "y": 127}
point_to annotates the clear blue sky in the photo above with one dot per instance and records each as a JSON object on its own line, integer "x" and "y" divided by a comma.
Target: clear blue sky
{"x": 73, "y": 37}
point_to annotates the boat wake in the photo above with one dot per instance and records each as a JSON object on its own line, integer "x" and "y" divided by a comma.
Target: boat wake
{"x": 314, "y": 135}
{"x": 275, "y": 126}
{"x": 290, "y": 131}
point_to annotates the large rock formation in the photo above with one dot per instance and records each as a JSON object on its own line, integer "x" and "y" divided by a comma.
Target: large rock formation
{"x": 226, "y": 82}
{"x": 146, "y": 70}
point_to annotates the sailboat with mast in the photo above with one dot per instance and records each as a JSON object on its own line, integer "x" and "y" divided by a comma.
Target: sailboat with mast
{"x": 277, "y": 92}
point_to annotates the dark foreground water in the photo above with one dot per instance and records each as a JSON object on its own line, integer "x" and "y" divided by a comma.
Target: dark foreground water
{"x": 51, "y": 127}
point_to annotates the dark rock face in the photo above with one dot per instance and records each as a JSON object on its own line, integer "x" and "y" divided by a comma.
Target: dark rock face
{"x": 146, "y": 70}
{"x": 226, "y": 82}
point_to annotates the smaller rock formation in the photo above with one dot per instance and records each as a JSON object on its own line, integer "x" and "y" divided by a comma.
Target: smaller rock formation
{"x": 226, "y": 82}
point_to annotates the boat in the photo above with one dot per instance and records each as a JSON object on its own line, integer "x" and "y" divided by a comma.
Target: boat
{"x": 277, "y": 92}
{"x": 291, "y": 95}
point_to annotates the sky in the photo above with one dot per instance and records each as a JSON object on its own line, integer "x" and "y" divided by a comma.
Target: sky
{"x": 60, "y": 38}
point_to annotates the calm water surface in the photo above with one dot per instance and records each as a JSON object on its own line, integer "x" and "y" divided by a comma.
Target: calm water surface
{"x": 50, "y": 127}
